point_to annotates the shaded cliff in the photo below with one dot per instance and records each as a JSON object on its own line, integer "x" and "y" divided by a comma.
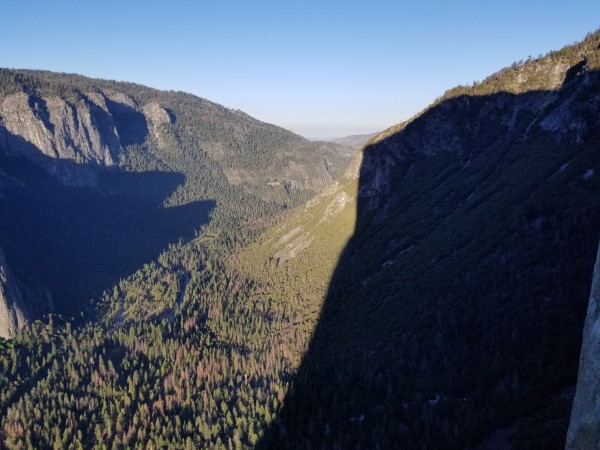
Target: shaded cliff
{"x": 584, "y": 428}
{"x": 13, "y": 312}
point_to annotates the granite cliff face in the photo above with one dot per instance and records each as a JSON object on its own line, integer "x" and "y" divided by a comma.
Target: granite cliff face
{"x": 13, "y": 313}
{"x": 49, "y": 131}
{"x": 584, "y": 428}
{"x": 72, "y": 126}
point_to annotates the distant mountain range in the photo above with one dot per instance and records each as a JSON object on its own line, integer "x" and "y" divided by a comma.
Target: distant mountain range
{"x": 355, "y": 141}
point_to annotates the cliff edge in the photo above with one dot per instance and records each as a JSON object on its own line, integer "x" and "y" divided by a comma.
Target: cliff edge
{"x": 13, "y": 314}
{"x": 584, "y": 428}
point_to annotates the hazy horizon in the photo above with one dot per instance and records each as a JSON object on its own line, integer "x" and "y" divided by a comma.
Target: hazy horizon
{"x": 320, "y": 70}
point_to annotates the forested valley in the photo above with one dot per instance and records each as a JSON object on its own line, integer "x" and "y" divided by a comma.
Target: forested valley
{"x": 211, "y": 281}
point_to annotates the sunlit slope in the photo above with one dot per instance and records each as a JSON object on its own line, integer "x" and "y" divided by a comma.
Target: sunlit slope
{"x": 295, "y": 261}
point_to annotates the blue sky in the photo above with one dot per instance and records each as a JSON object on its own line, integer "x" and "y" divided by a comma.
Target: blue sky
{"x": 320, "y": 68}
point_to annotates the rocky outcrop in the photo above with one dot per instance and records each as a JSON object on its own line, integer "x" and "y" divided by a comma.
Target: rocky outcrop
{"x": 157, "y": 116}
{"x": 584, "y": 428}
{"x": 13, "y": 313}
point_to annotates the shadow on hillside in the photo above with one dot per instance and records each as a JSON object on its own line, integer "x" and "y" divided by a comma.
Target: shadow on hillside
{"x": 74, "y": 242}
{"x": 456, "y": 308}
{"x": 131, "y": 124}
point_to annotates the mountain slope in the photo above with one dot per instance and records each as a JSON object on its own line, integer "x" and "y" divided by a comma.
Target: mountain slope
{"x": 132, "y": 169}
{"x": 84, "y": 120}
